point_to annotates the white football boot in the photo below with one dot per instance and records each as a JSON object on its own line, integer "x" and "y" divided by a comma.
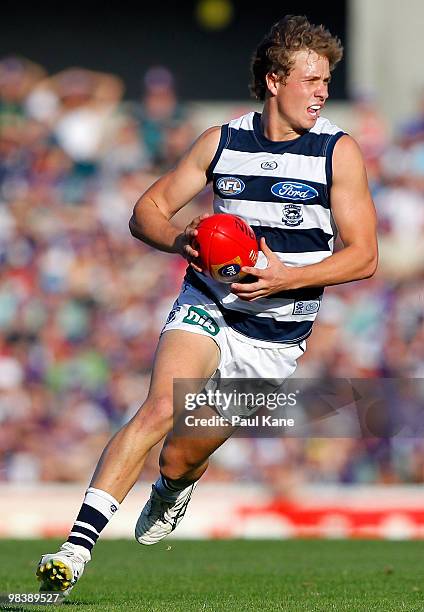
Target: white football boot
{"x": 60, "y": 571}
{"x": 160, "y": 516}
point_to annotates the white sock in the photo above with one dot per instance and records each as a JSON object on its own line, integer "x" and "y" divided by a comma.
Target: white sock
{"x": 96, "y": 511}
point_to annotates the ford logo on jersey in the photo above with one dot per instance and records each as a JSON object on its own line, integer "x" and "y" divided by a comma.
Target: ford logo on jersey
{"x": 229, "y": 185}
{"x": 293, "y": 191}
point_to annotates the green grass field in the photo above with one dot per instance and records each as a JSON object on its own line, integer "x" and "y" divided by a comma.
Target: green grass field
{"x": 312, "y": 575}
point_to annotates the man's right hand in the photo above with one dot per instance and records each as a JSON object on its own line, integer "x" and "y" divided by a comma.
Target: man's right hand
{"x": 186, "y": 243}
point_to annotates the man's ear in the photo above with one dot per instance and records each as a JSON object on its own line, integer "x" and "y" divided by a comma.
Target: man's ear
{"x": 272, "y": 80}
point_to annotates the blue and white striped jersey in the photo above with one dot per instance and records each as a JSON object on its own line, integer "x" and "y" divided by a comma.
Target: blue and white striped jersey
{"x": 282, "y": 190}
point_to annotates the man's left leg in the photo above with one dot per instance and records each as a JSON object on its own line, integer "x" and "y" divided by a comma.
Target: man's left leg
{"x": 182, "y": 462}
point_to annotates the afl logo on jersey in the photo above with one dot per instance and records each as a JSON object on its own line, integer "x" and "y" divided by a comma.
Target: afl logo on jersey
{"x": 290, "y": 190}
{"x": 229, "y": 185}
{"x": 292, "y": 214}
{"x": 269, "y": 165}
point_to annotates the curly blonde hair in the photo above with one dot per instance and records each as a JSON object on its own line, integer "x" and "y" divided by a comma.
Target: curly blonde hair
{"x": 274, "y": 53}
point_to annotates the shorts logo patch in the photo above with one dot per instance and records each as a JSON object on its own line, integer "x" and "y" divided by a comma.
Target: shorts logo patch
{"x": 198, "y": 316}
{"x": 292, "y": 214}
{"x": 172, "y": 314}
{"x": 230, "y": 185}
{"x": 306, "y": 307}
{"x": 290, "y": 190}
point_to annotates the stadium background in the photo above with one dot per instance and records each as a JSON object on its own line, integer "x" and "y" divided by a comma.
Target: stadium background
{"x": 82, "y": 303}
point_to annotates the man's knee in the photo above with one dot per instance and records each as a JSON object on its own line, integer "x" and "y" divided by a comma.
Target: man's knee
{"x": 156, "y": 414}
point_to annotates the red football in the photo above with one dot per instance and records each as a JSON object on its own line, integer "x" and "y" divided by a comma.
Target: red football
{"x": 225, "y": 244}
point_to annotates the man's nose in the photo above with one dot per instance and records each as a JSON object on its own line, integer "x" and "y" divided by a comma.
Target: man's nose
{"x": 322, "y": 91}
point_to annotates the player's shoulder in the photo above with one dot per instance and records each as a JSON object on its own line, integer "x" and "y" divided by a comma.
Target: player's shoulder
{"x": 346, "y": 148}
{"x": 208, "y": 140}
{"x": 208, "y": 143}
{"x": 348, "y": 161}
{"x": 210, "y": 136}
{"x": 203, "y": 148}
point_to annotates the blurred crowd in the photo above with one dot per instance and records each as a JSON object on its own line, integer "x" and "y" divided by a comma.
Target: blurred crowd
{"x": 82, "y": 302}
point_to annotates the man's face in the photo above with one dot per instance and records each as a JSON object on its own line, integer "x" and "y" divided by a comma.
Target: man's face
{"x": 301, "y": 98}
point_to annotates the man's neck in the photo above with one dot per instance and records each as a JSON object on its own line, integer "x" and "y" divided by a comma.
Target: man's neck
{"x": 274, "y": 128}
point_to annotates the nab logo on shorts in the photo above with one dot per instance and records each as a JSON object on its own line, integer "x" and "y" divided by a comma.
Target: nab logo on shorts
{"x": 198, "y": 316}
{"x": 289, "y": 190}
{"x": 113, "y": 508}
{"x": 306, "y": 307}
{"x": 172, "y": 314}
{"x": 230, "y": 185}
{"x": 230, "y": 270}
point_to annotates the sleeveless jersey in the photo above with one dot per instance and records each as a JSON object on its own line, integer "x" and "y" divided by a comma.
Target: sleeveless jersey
{"x": 282, "y": 190}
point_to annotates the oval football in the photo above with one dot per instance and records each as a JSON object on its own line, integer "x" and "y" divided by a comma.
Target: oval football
{"x": 226, "y": 244}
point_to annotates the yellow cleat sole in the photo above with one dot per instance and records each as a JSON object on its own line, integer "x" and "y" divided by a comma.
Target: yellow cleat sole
{"x": 54, "y": 576}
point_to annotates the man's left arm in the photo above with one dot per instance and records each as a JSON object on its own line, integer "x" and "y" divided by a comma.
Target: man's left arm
{"x": 354, "y": 214}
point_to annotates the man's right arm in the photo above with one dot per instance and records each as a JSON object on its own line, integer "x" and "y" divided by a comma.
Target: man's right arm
{"x": 150, "y": 221}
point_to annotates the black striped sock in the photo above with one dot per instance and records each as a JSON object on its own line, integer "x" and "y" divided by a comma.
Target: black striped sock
{"x": 95, "y": 513}
{"x": 172, "y": 485}
{"x": 170, "y": 489}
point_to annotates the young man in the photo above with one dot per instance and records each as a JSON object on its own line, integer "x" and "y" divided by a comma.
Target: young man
{"x": 297, "y": 176}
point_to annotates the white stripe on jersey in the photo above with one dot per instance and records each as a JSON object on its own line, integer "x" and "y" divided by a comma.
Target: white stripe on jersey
{"x": 279, "y": 309}
{"x": 270, "y": 214}
{"x": 295, "y": 259}
{"x": 245, "y": 122}
{"x": 324, "y": 126}
{"x": 289, "y": 166}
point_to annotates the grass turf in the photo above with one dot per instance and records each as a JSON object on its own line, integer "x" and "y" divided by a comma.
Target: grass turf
{"x": 294, "y": 575}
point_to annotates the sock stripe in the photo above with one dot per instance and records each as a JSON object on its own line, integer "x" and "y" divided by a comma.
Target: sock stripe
{"x": 77, "y": 529}
{"x": 88, "y": 514}
{"x": 102, "y": 501}
{"x": 81, "y": 535}
{"x": 96, "y": 511}
{"x": 80, "y": 542}
{"x": 87, "y": 526}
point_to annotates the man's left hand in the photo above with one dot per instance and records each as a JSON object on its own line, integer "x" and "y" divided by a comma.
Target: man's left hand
{"x": 274, "y": 278}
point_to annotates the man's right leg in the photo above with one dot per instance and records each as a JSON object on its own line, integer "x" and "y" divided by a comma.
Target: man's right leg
{"x": 180, "y": 354}
{"x": 183, "y": 460}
